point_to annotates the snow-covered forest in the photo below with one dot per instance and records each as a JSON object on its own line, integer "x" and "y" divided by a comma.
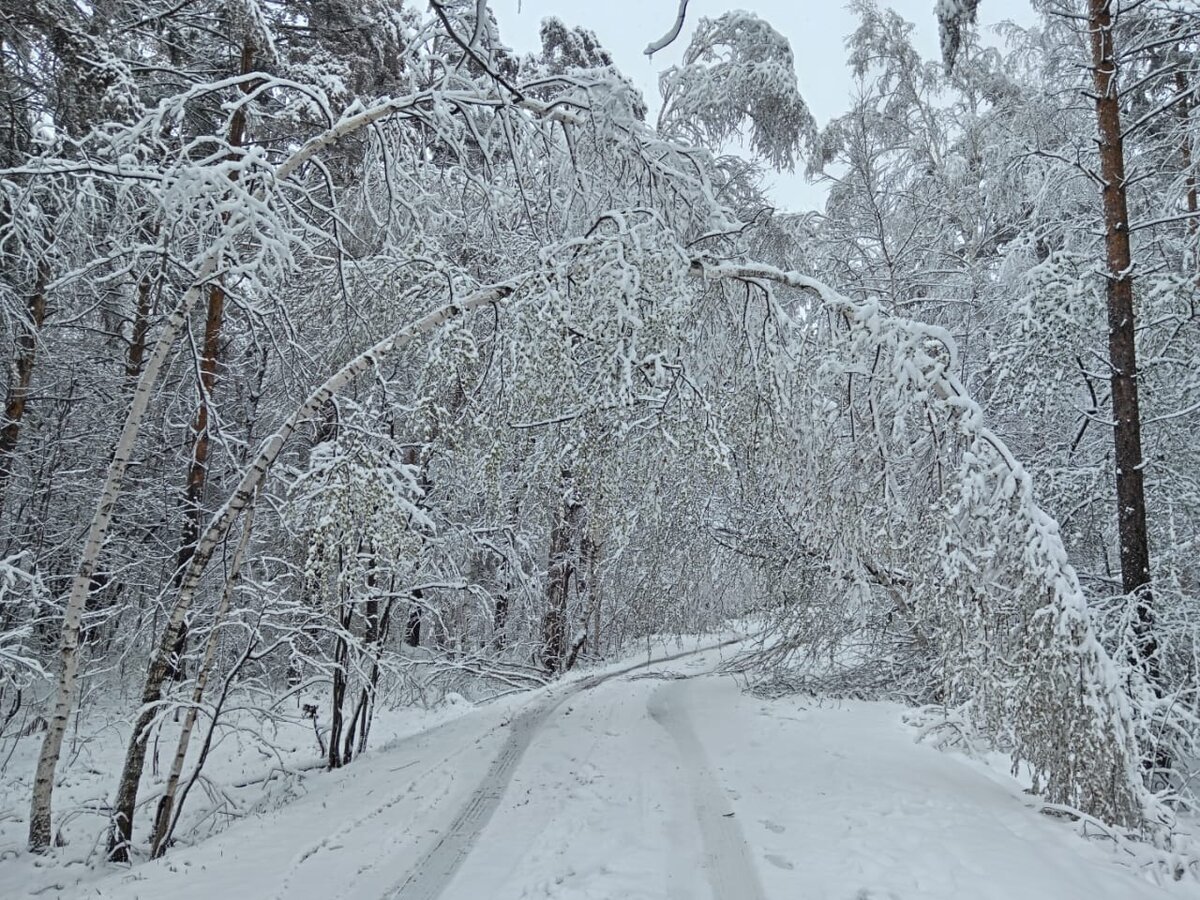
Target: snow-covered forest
{"x": 365, "y": 378}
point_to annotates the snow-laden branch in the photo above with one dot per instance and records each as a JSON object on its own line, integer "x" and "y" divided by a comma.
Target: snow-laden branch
{"x": 246, "y": 210}
{"x": 669, "y": 38}
{"x": 251, "y": 480}
{"x": 1057, "y": 642}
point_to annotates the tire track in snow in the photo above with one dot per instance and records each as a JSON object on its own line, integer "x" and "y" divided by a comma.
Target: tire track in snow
{"x": 437, "y": 867}
{"x": 344, "y": 834}
{"x": 433, "y": 874}
{"x": 728, "y": 863}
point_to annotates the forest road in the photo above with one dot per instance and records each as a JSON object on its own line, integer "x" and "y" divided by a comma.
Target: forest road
{"x": 670, "y": 783}
{"x": 726, "y": 860}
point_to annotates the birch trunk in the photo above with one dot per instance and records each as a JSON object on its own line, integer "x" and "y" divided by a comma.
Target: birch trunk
{"x": 43, "y": 784}
{"x": 252, "y": 478}
{"x": 166, "y": 813}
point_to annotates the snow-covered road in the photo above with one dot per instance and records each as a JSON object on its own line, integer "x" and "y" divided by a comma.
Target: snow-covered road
{"x": 682, "y": 786}
{"x": 666, "y": 783}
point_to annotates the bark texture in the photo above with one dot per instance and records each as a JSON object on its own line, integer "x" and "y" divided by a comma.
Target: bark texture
{"x": 210, "y": 357}
{"x": 20, "y": 378}
{"x": 1122, "y": 352}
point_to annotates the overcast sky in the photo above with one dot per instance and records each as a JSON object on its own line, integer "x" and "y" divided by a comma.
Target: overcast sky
{"x": 815, "y": 28}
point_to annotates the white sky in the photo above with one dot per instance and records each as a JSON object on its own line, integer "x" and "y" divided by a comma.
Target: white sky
{"x": 815, "y": 28}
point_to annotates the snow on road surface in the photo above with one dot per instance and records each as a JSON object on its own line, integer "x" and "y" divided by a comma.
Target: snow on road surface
{"x": 727, "y": 861}
{"x": 671, "y": 783}
{"x": 649, "y": 788}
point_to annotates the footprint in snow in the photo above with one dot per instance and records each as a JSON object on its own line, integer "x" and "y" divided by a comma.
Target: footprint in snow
{"x": 779, "y": 861}
{"x": 773, "y": 827}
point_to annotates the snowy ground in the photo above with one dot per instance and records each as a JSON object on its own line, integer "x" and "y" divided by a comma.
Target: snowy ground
{"x": 665, "y": 782}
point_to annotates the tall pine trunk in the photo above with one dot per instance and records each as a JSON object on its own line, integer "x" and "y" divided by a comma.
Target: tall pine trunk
{"x": 1127, "y": 433}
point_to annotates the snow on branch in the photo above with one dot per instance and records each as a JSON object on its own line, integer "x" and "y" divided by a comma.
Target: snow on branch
{"x": 954, "y": 17}
{"x": 669, "y": 38}
{"x": 738, "y": 68}
{"x": 1014, "y": 626}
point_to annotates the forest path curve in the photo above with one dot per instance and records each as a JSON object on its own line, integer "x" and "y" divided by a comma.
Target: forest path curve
{"x": 677, "y": 784}
{"x": 666, "y": 784}
{"x": 436, "y": 869}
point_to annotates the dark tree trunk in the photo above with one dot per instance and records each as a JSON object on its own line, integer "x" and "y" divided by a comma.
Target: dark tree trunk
{"x": 193, "y": 500}
{"x": 341, "y": 657}
{"x": 1192, "y": 196}
{"x": 368, "y": 695}
{"x": 576, "y": 647}
{"x": 25, "y": 353}
{"x": 1131, "y": 499}
{"x": 590, "y": 559}
{"x": 135, "y": 359}
{"x": 412, "y": 628}
{"x": 500, "y": 622}
{"x": 564, "y": 536}
{"x": 355, "y": 740}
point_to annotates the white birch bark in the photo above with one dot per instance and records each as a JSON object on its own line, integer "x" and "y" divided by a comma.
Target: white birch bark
{"x": 166, "y": 815}
{"x": 43, "y": 784}
{"x": 40, "y": 812}
{"x": 252, "y": 479}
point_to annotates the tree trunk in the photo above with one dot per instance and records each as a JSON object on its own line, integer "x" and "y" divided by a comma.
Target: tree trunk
{"x": 371, "y": 637}
{"x": 563, "y": 538}
{"x": 193, "y": 498}
{"x": 197, "y": 476}
{"x": 252, "y": 478}
{"x": 1185, "y": 147}
{"x": 412, "y": 628}
{"x": 500, "y": 621}
{"x": 1131, "y": 500}
{"x": 373, "y": 688}
{"x": 373, "y": 634}
{"x": 576, "y": 646}
{"x": 166, "y": 813}
{"x": 341, "y": 656}
{"x": 20, "y": 378}
{"x": 591, "y": 563}
{"x": 139, "y": 331}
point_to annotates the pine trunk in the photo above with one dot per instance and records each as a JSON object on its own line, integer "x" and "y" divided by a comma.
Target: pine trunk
{"x": 1131, "y": 499}
{"x": 197, "y": 476}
